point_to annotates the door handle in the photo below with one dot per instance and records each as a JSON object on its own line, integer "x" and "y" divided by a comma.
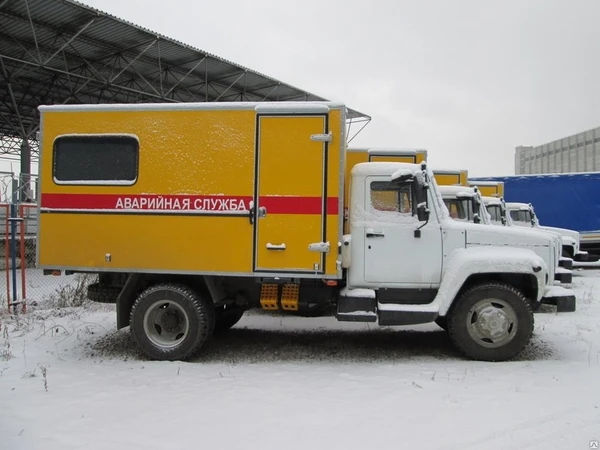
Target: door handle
{"x": 371, "y": 233}
{"x": 262, "y": 212}
{"x": 279, "y": 247}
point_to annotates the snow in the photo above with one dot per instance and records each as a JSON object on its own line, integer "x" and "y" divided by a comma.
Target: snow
{"x": 483, "y": 183}
{"x": 358, "y": 313}
{"x": 393, "y": 151}
{"x": 96, "y": 182}
{"x": 433, "y": 308}
{"x": 362, "y": 293}
{"x": 260, "y": 106}
{"x": 449, "y": 191}
{"x": 297, "y": 383}
{"x": 557, "y": 291}
{"x": 382, "y": 168}
{"x": 491, "y": 201}
{"x": 403, "y": 173}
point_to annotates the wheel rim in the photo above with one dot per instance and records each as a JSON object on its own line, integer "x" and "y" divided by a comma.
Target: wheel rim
{"x": 492, "y": 323}
{"x": 166, "y": 324}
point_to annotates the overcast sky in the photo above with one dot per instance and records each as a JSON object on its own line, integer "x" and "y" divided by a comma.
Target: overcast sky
{"x": 469, "y": 80}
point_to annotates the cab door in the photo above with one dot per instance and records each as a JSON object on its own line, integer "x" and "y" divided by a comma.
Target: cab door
{"x": 290, "y": 207}
{"x": 394, "y": 256}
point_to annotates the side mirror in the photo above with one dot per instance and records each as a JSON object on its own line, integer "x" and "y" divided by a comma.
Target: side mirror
{"x": 503, "y": 220}
{"x": 476, "y": 218}
{"x": 422, "y": 212}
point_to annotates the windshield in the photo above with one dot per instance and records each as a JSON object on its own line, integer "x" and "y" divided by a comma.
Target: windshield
{"x": 521, "y": 216}
{"x": 459, "y": 209}
{"x": 495, "y": 211}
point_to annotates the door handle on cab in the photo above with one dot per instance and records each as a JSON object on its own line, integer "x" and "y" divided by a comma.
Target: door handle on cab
{"x": 275, "y": 246}
{"x": 371, "y": 233}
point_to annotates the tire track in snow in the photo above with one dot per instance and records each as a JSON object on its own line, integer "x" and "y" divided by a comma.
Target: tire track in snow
{"x": 547, "y": 429}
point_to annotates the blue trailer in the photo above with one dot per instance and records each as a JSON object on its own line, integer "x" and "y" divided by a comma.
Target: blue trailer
{"x": 565, "y": 200}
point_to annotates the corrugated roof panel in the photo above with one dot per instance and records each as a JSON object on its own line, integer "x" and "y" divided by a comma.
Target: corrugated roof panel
{"x": 108, "y": 48}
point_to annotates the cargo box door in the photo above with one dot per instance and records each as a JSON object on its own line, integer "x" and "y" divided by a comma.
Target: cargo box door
{"x": 289, "y": 202}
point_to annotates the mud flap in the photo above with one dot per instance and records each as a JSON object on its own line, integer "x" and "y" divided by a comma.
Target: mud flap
{"x": 563, "y": 299}
{"x": 563, "y": 275}
{"x": 566, "y": 263}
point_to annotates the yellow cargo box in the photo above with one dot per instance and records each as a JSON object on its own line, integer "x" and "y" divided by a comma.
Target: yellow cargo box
{"x": 451, "y": 177}
{"x": 223, "y": 188}
{"x": 489, "y": 188}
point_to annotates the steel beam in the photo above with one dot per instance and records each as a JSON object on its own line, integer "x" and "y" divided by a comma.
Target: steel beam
{"x": 66, "y": 44}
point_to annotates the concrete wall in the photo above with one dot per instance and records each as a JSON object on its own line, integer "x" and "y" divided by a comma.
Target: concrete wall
{"x": 576, "y": 153}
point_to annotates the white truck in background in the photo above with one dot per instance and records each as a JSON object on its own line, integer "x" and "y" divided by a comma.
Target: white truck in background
{"x": 496, "y": 208}
{"x": 467, "y": 204}
{"x": 523, "y": 215}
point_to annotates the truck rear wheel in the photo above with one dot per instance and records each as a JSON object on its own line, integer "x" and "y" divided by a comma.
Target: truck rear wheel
{"x": 171, "y": 322}
{"x": 491, "y": 322}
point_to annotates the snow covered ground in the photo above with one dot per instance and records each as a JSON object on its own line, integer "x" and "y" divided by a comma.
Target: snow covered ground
{"x": 69, "y": 380}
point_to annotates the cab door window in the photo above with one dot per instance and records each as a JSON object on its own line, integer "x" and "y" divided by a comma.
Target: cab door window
{"x": 393, "y": 198}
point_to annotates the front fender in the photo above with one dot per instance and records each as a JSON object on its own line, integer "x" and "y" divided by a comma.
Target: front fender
{"x": 463, "y": 263}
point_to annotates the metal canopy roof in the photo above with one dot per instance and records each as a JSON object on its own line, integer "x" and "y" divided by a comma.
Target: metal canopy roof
{"x": 61, "y": 51}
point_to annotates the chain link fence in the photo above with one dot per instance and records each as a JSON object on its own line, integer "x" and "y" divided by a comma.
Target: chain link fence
{"x": 25, "y": 285}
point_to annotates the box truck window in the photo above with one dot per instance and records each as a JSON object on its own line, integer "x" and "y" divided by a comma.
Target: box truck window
{"x": 386, "y": 196}
{"x": 95, "y": 159}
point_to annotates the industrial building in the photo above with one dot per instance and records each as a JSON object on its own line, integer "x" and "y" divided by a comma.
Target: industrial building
{"x": 577, "y": 153}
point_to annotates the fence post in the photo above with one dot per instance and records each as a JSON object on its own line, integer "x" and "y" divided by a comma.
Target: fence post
{"x": 13, "y": 252}
{"x": 23, "y": 256}
{"x": 7, "y": 253}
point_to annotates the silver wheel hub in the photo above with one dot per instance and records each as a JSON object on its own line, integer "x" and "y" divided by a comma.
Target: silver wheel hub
{"x": 492, "y": 323}
{"x": 166, "y": 324}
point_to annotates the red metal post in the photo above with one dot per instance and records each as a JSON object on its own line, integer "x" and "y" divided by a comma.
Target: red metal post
{"x": 23, "y": 259}
{"x": 6, "y": 252}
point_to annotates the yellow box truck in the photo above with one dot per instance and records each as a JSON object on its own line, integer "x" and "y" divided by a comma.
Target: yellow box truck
{"x": 191, "y": 214}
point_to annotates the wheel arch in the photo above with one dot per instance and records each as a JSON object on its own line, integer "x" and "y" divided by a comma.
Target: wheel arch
{"x": 138, "y": 282}
{"x": 524, "y": 282}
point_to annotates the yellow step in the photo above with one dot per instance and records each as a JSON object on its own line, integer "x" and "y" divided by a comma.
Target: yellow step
{"x": 289, "y": 297}
{"x": 268, "y": 296}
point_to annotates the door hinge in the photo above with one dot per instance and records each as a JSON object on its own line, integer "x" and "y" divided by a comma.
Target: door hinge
{"x": 321, "y": 247}
{"x": 322, "y": 137}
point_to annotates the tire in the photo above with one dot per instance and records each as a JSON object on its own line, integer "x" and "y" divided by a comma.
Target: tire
{"x": 101, "y": 293}
{"x": 442, "y": 322}
{"x": 191, "y": 321}
{"x": 491, "y": 305}
{"x": 313, "y": 310}
{"x": 225, "y": 319}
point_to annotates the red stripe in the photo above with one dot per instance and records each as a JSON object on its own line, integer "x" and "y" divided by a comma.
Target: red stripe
{"x": 199, "y": 203}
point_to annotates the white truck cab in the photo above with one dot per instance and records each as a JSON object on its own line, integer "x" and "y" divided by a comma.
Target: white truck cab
{"x": 523, "y": 214}
{"x": 408, "y": 262}
{"x": 496, "y": 207}
{"x": 465, "y": 203}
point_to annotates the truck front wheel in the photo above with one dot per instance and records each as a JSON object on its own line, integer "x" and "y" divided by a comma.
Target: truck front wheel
{"x": 171, "y": 322}
{"x": 491, "y": 322}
